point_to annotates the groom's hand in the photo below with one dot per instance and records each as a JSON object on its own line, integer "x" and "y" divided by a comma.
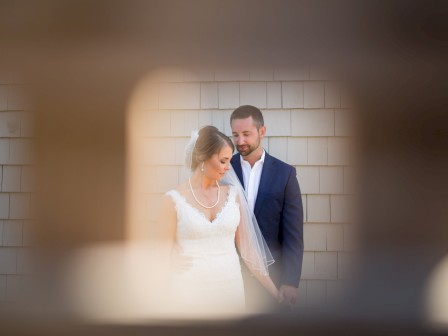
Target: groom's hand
{"x": 288, "y": 295}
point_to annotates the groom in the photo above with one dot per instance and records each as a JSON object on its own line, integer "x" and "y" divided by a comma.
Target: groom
{"x": 274, "y": 195}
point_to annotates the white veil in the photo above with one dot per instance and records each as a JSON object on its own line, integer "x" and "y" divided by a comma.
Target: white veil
{"x": 252, "y": 246}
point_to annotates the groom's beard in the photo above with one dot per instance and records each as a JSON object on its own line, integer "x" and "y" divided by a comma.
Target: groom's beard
{"x": 246, "y": 150}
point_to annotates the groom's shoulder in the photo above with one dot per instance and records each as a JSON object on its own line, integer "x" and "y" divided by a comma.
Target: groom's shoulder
{"x": 279, "y": 163}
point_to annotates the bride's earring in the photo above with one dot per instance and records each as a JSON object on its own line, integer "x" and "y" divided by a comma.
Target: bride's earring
{"x": 202, "y": 166}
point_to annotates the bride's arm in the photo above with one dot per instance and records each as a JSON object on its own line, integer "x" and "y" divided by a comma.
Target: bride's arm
{"x": 265, "y": 280}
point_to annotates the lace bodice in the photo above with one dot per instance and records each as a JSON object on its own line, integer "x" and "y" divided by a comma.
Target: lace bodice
{"x": 196, "y": 235}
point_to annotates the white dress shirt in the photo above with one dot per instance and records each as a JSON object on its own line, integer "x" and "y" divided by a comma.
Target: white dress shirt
{"x": 251, "y": 177}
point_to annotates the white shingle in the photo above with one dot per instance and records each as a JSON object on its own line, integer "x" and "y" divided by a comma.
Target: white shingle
{"x": 180, "y": 96}
{"x": 331, "y": 180}
{"x": 11, "y": 178}
{"x": 183, "y": 122}
{"x": 335, "y": 237}
{"x": 340, "y": 208}
{"x": 332, "y": 95}
{"x": 4, "y": 205}
{"x": 209, "y": 95}
{"x": 316, "y": 293}
{"x": 278, "y": 147}
{"x": 292, "y": 95}
{"x": 253, "y": 94}
{"x": 159, "y": 151}
{"x": 314, "y": 95}
{"x": 326, "y": 265}
{"x": 4, "y": 151}
{"x": 12, "y": 233}
{"x": 19, "y": 207}
{"x": 314, "y": 237}
{"x": 229, "y": 95}
{"x": 304, "y": 205}
{"x": 318, "y": 208}
{"x": 339, "y": 151}
{"x": 10, "y": 124}
{"x": 227, "y": 130}
{"x": 317, "y": 151}
{"x": 20, "y": 151}
{"x": 163, "y": 178}
{"x": 289, "y": 74}
{"x": 277, "y": 122}
{"x": 158, "y": 123}
{"x": 218, "y": 119}
{"x": 274, "y": 94}
{"x": 8, "y": 260}
{"x": 308, "y": 179}
{"x": 297, "y": 151}
{"x": 308, "y": 265}
{"x": 312, "y": 122}
{"x": 204, "y": 118}
{"x": 179, "y": 151}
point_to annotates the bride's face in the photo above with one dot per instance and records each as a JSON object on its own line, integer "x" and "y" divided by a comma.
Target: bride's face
{"x": 215, "y": 168}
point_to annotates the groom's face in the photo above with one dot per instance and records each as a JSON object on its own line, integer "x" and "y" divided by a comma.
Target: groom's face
{"x": 246, "y": 136}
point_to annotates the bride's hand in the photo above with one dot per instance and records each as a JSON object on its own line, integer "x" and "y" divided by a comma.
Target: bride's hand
{"x": 275, "y": 293}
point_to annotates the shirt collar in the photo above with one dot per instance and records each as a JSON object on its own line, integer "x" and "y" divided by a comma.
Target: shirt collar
{"x": 261, "y": 159}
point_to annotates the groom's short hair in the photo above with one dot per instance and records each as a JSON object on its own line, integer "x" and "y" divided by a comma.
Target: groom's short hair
{"x": 246, "y": 111}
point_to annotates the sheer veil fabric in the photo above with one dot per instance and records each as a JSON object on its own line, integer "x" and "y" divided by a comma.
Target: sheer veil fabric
{"x": 252, "y": 246}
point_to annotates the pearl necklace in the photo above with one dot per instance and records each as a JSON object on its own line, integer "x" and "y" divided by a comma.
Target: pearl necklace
{"x": 196, "y": 199}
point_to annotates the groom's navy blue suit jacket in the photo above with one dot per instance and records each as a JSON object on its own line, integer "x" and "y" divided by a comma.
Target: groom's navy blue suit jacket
{"x": 279, "y": 212}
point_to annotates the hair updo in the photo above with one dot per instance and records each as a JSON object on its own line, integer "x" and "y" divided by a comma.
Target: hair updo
{"x": 210, "y": 141}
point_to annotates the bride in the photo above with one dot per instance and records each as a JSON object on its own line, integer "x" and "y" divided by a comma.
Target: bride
{"x": 205, "y": 220}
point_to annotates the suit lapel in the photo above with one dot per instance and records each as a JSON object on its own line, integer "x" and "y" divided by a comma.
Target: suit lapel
{"x": 236, "y": 164}
{"x": 263, "y": 188}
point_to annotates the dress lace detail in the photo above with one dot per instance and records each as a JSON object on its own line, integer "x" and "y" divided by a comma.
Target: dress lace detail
{"x": 212, "y": 281}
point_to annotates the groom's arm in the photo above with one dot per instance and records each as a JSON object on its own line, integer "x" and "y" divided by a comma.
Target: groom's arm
{"x": 292, "y": 232}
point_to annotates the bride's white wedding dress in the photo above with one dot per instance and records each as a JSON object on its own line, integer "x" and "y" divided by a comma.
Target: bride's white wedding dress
{"x": 212, "y": 281}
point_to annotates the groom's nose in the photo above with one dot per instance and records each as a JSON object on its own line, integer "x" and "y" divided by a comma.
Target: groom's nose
{"x": 239, "y": 140}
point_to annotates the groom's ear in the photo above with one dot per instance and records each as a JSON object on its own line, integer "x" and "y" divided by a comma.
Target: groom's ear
{"x": 262, "y": 131}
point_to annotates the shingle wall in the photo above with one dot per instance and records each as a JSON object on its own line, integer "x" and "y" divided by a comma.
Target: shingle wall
{"x": 309, "y": 125}
{"x": 16, "y": 185}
